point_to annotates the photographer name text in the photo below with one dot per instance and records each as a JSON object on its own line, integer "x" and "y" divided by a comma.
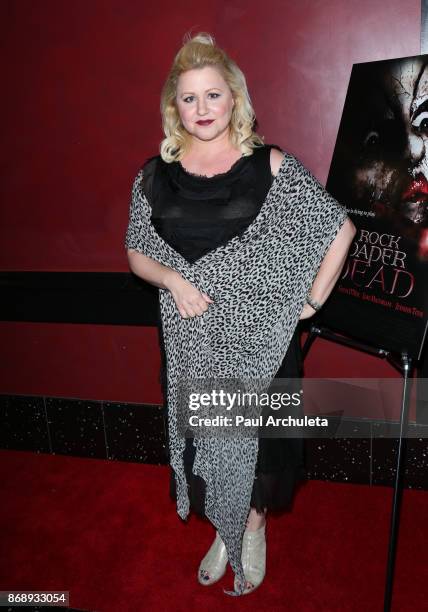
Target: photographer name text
{"x": 270, "y": 421}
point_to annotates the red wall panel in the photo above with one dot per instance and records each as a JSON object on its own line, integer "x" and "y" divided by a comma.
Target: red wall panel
{"x": 80, "y": 112}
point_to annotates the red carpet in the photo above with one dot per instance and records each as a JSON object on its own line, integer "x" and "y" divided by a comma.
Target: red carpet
{"x": 107, "y": 532}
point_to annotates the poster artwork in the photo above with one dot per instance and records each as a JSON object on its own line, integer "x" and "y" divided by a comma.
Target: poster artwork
{"x": 379, "y": 172}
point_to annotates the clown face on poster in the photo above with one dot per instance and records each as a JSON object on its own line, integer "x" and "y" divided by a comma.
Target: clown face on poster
{"x": 379, "y": 172}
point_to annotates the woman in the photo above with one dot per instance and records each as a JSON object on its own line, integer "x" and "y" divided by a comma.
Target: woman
{"x": 208, "y": 194}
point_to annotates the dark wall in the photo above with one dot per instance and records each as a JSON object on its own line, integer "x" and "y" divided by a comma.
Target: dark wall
{"x": 80, "y": 110}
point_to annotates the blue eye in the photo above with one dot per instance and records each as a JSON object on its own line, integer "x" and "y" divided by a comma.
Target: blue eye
{"x": 213, "y": 95}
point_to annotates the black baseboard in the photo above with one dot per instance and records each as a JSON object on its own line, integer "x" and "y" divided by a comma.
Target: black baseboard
{"x": 98, "y": 298}
{"x": 138, "y": 433}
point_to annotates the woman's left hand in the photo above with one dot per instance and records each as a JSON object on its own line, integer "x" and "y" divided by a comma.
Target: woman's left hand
{"x": 307, "y": 312}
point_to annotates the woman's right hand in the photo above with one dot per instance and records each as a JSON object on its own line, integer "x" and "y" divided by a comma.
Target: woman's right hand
{"x": 190, "y": 301}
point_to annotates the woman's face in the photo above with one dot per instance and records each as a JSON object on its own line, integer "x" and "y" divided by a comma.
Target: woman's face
{"x": 204, "y": 103}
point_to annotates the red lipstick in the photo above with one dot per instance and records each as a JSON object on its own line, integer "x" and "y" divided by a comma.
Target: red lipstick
{"x": 417, "y": 190}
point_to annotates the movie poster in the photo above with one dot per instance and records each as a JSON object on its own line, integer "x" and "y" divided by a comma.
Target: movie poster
{"x": 379, "y": 172}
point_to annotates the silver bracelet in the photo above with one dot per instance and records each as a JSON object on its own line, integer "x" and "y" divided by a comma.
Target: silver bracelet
{"x": 315, "y": 305}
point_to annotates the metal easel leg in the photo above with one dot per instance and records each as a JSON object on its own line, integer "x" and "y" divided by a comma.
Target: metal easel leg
{"x": 398, "y": 485}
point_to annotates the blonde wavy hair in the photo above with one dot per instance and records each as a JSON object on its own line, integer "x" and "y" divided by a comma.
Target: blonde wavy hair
{"x": 198, "y": 52}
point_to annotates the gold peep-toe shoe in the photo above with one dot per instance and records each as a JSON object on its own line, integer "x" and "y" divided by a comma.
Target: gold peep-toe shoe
{"x": 253, "y": 558}
{"x": 213, "y": 565}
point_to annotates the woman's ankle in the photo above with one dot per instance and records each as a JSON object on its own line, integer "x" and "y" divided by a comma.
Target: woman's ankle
{"x": 255, "y": 519}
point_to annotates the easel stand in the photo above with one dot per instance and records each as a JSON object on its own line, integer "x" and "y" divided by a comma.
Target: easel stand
{"x": 406, "y": 366}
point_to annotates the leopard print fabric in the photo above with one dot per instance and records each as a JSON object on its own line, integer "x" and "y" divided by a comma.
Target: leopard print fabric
{"x": 259, "y": 282}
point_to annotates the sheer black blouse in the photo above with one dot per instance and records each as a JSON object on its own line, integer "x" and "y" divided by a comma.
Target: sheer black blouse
{"x": 196, "y": 214}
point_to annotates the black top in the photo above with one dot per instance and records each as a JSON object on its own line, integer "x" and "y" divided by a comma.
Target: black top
{"x": 196, "y": 214}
